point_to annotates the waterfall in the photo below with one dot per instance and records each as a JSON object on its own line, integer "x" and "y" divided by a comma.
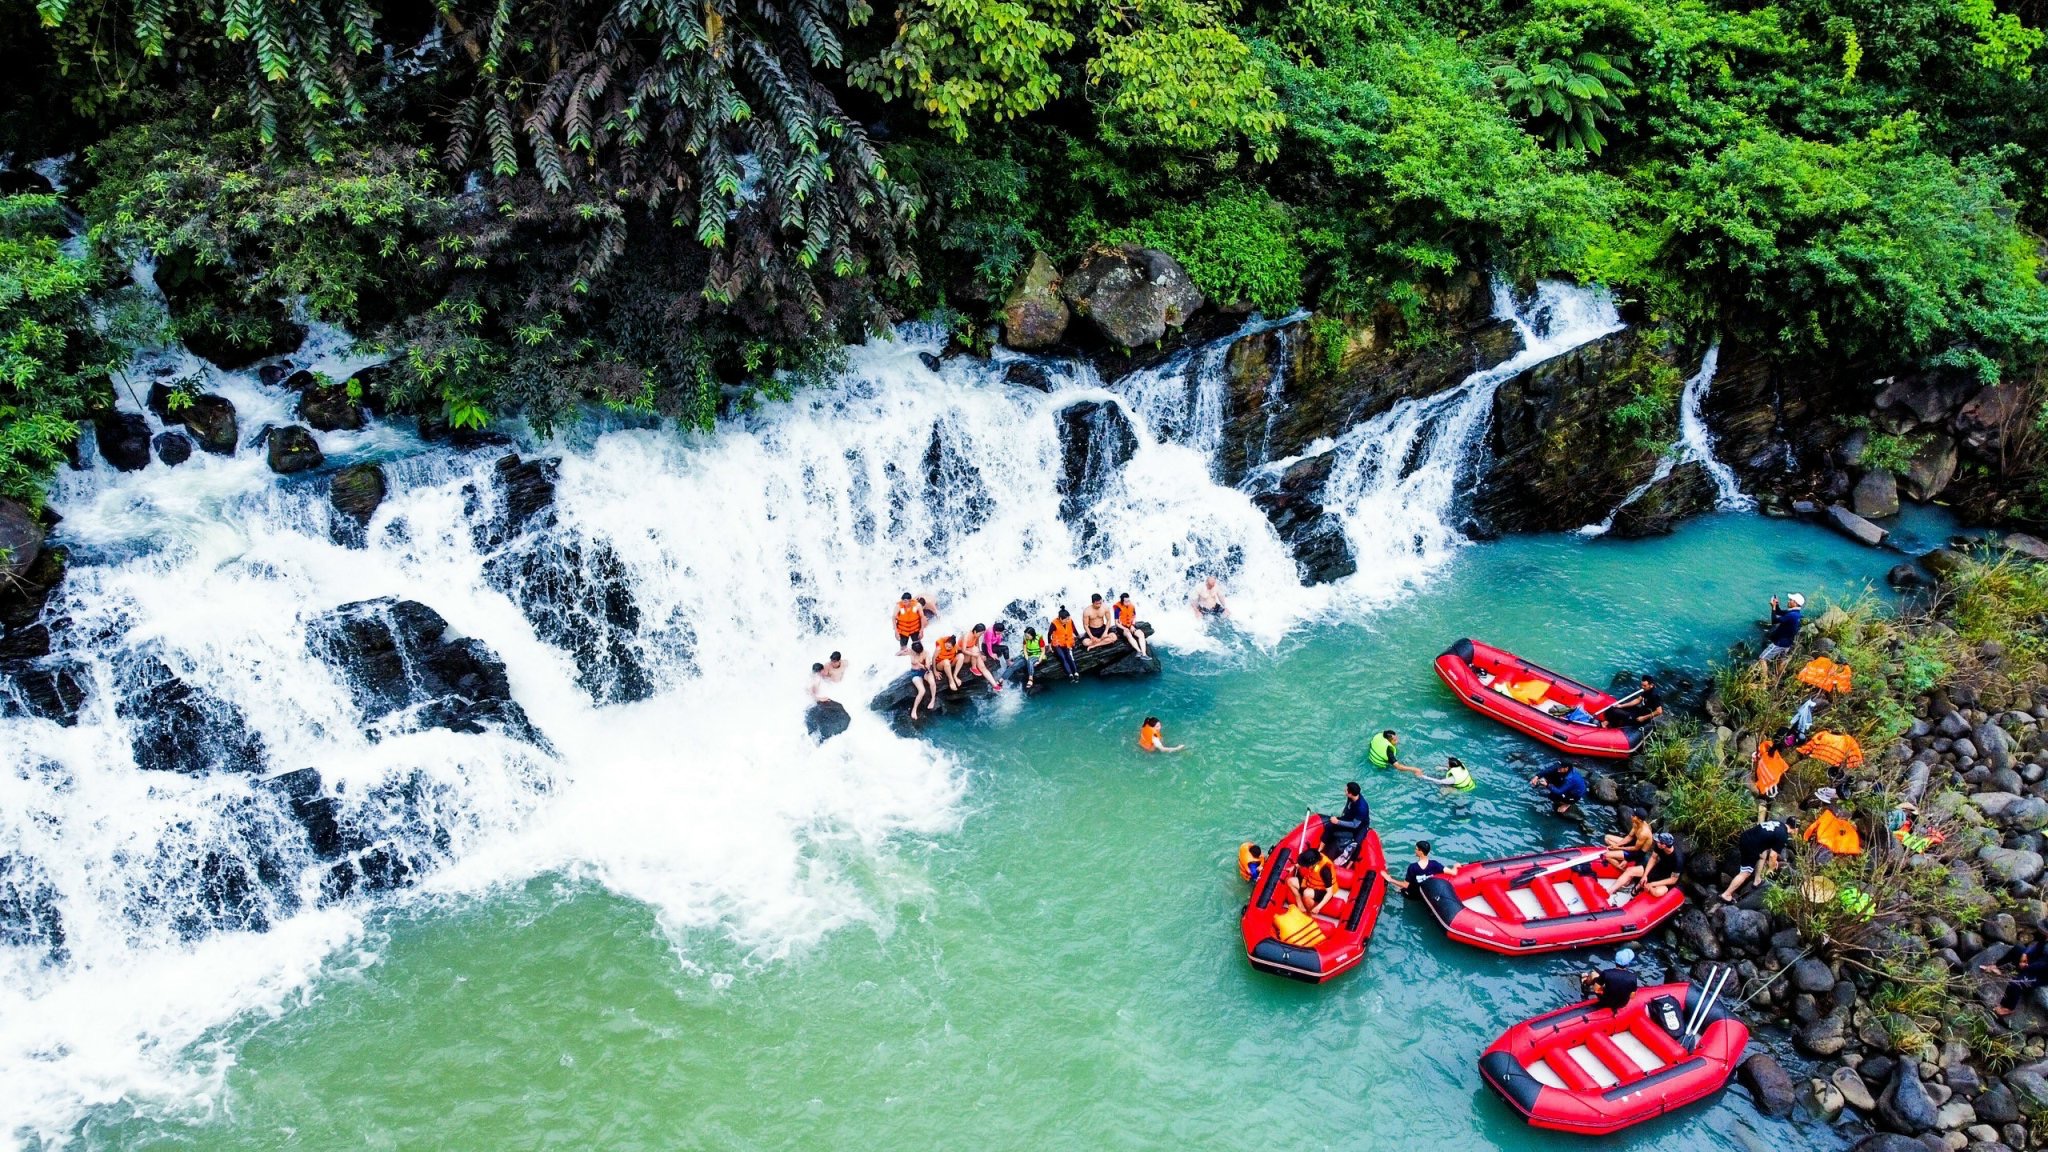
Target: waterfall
{"x": 657, "y": 629}
{"x": 1397, "y": 477}
{"x": 1695, "y": 444}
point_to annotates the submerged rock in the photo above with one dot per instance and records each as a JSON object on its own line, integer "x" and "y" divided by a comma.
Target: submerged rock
{"x": 1315, "y": 536}
{"x": 292, "y": 449}
{"x": 578, "y": 596}
{"x": 316, "y": 812}
{"x": 356, "y": 491}
{"x": 173, "y": 448}
{"x": 176, "y": 727}
{"x": 1131, "y": 295}
{"x": 1768, "y": 1084}
{"x": 29, "y": 916}
{"x": 404, "y": 673}
{"x": 826, "y": 719}
{"x": 1855, "y": 527}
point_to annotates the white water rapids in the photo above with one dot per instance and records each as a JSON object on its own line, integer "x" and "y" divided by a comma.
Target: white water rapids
{"x": 1695, "y": 445}
{"x": 748, "y": 554}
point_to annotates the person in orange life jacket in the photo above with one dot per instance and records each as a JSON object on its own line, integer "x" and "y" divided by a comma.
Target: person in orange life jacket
{"x": 909, "y": 622}
{"x": 1151, "y": 739}
{"x": 1422, "y": 866}
{"x": 1760, "y": 848}
{"x": 1126, "y": 624}
{"x": 1314, "y": 883}
{"x": 1060, "y": 638}
{"x": 926, "y": 686}
{"x": 1346, "y": 829}
{"x": 1250, "y": 859}
{"x": 947, "y": 660}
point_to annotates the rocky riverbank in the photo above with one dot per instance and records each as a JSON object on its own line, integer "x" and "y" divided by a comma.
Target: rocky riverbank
{"x": 1866, "y": 971}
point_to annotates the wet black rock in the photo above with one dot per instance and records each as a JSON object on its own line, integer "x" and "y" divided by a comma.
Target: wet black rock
{"x": 1314, "y": 535}
{"x": 355, "y": 492}
{"x": 578, "y": 595}
{"x": 123, "y": 438}
{"x": 1905, "y": 1106}
{"x": 954, "y": 493}
{"x": 52, "y": 690}
{"x": 1768, "y": 1084}
{"x": 1687, "y": 491}
{"x": 316, "y": 812}
{"x": 29, "y": 916}
{"x": 209, "y": 418}
{"x": 292, "y": 449}
{"x": 826, "y": 719}
{"x": 527, "y": 488}
{"x": 404, "y": 673}
{"x": 21, "y": 540}
{"x": 176, "y": 727}
{"x": 1028, "y": 374}
{"x": 173, "y": 448}
{"x": 1117, "y": 659}
{"x": 327, "y": 407}
{"x": 1096, "y": 441}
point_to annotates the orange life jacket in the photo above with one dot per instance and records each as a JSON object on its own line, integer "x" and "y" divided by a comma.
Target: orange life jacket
{"x": 949, "y": 647}
{"x": 1126, "y": 613}
{"x": 1245, "y": 860}
{"x": 909, "y": 619}
{"x": 1062, "y": 633}
{"x": 1826, "y": 675}
{"x": 1148, "y": 736}
{"x": 1318, "y": 878}
{"x": 1770, "y": 768}
{"x": 1837, "y": 748}
{"x": 1835, "y": 834}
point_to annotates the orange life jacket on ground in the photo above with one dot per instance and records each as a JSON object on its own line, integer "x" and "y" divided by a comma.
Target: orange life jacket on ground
{"x": 1062, "y": 633}
{"x": 1770, "y": 768}
{"x": 1826, "y": 675}
{"x": 909, "y": 619}
{"x": 1837, "y": 748}
{"x": 1126, "y": 613}
{"x": 1835, "y": 834}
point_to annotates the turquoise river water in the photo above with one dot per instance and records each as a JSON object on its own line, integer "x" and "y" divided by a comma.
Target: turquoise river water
{"x": 1059, "y": 967}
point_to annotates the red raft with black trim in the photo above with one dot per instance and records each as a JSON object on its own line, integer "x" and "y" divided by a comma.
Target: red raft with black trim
{"x": 1593, "y": 1071}
{"x": 1542, "y": 902}
{"x": 1534, "y": 700}
{"x": 1336, "y": 942}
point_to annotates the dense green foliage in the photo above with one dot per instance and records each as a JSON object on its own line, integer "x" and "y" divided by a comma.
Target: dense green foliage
{"x": 48, "y": 349}
{"x": 648, "y": 203}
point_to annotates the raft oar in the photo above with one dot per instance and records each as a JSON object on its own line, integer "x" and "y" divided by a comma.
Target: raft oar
{"x": 1693, "y": 1015}
{"x": 1692, "y": 1037}
{"x": 1618, "y": 703}
{"x": 1560, "y": 866}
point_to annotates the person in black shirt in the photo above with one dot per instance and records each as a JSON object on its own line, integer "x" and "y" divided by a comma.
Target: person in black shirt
{"x": 1647, "y": 705}
{"x": 1609, "y": 988}
{"x": 2029, "y": 971}
{"x": 1347, "y": 827}
{"x": 1423, "y": 866}
{"x": 1761, "y": 848}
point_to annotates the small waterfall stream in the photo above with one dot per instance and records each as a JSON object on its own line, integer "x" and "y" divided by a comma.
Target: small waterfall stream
{"x": 1695, "y": 444}
{"x": 140, "y": 911}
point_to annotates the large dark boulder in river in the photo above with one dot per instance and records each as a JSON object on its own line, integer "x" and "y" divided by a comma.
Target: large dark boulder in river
{"x": 176, "y": 727}
{"x": 211, "y": 420}
{"x": 1559, "y": 457}
{"x": 1687, "y": 491}
{"x": 356, "y": 491}
{"x": 292, "y": 449}
{"x": 404, "y": 673}
{"x": 1096, "y": 441}
{"x": 316, "y": 812}
{"x": 828, "y": 718}
{"x": 1117, "y": 659}
{"x": 123, "y": 439}
{"x": 32, "y": 682}
{"x": 578, "y": 595}
{"x": 1034, "y": 316}
{"x": 173, "y": 448}
{"x": 1314, "y": 535}
{"x": 21, "y": 540}
{"x": 1131, "y": 295}
{"x": 327, "y": 407}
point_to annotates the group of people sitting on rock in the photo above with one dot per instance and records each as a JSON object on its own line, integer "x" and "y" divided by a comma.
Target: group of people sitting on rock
{"x": 985, "y": 652}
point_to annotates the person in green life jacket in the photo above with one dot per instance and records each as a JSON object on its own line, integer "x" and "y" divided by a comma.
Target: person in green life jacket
{"x": 1455, "y": 776}
{"x": 1384, "y": 752}
{"x": 1034, "y": 651}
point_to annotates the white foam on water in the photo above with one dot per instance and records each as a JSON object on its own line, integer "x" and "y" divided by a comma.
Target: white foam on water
{"x": 749, "y": 554}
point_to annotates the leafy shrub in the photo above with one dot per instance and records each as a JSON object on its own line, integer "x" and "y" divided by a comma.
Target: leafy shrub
{"x": 1239, "y": 245}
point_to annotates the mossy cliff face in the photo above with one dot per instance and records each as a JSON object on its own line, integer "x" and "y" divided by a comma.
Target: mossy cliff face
{"x": 1571, "y": 437}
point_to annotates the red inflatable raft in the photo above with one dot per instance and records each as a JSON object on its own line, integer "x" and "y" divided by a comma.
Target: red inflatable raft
{"x": 1533, "y": 700}
{"x": 1588, "y": 1070}
{"x": 1542, "y": 902}
{"x": 1345, "y": 924}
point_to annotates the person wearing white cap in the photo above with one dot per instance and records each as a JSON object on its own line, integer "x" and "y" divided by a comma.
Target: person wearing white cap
{"x": 1783, "y": 634}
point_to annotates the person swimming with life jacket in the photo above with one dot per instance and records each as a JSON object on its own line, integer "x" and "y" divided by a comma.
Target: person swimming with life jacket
{"x": 1060, "y": 638}
{"x": 1250, "y": 860}
{"x": 1385, "y": 752}
{"x": 1152, "y": 739}
{"x": 1314, "y": 882}
{"x": 1456, "y": 776}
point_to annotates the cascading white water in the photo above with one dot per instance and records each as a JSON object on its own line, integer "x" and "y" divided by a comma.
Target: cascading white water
{"x": 185, "y": 902}
{"x": 1397, "y": 477}
{"x": 1695, "y": 444}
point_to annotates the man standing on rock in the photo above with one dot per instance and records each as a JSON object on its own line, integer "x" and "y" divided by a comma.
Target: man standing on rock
{"x": 1783, "y": 634}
